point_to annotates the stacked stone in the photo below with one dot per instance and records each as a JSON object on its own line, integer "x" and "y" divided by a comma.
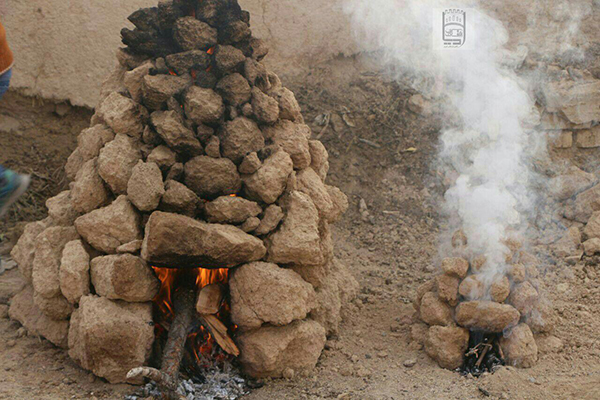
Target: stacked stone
{"x": 198, "y": 158}
{"x": 471, "y": 295}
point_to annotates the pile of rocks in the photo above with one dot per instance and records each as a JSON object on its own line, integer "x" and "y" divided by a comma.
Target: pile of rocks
{"x": 197, "y": 156}
{"x": 472, "y": 295}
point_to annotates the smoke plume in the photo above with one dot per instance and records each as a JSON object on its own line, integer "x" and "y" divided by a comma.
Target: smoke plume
{"x": 490, "y": 149}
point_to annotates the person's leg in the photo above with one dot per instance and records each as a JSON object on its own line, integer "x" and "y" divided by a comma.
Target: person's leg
{"x": 12, "y": 184}
{"x": 5, "y": 82}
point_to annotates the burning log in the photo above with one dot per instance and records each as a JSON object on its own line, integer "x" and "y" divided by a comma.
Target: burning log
{"x": 219, "y": 332}
{"x": 209, "y": 299}
{"x": 167, "y": 377}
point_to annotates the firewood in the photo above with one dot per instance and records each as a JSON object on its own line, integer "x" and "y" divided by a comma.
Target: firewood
{"x": 219, "y": 332}
{"x": 167, "y": 378}
{"x": 209, "y": 299}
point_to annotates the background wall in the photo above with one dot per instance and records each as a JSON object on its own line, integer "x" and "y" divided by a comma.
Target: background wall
{"x": 65, "y": 48}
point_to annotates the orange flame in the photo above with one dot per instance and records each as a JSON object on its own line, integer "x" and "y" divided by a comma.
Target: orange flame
{"x": 200, "y": 343}
{"x": 171, "y": 72}
{"x": 211, "y": 51}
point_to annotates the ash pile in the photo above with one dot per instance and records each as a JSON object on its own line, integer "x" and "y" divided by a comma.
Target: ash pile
{"x": 197, "y": 157}
{"x": 476, "y": 316}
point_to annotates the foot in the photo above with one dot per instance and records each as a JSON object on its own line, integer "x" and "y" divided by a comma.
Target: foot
{"x": 12, "y": 186}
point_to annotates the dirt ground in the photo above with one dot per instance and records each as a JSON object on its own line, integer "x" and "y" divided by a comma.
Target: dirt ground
{"x": 381, "y": 154}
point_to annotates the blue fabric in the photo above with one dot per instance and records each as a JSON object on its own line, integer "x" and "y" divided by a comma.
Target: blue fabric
{"x": 5, "y": 82}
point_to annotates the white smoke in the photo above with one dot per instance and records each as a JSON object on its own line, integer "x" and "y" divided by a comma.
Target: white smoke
{"x": 492, "y": 197}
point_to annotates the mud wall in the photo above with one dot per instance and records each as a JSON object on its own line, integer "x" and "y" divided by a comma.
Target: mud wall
{"x": 64, "y": 49}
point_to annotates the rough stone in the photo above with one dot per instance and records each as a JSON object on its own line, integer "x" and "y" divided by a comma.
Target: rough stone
{"x": 422, "y": 289}
{"x": 578, "y": 100}
{"x": 57, "y": 307}
{"x": 588, "y": 139}
{"x": 500, "y": 289}
{"x": 179, "y": 199}
{"x": 124, "y": 277}
{"x": 203, "y": 106}
{"x": 517, "y": 273}
{"x": 46, "y": 262}
{"x": 110, "y": 338}
{"x": 433, "y": 311}
{"x": 89, "y": 143}
{"x": 340, "y": 203}
{"x": 60, "y": 209}
{"x": 212, "y": 177}
{"x": 591, "y": 246}
{"x": 293, "y": 138}
{"x": 184, "y": 62}
{"x": 455, "y": 267}
{"x": 116, "y": 161}
{"x": 347, "y": 284}
{"x": 24, "y": 251}
{"x": 213, "y": 147}
{"x": 88, "y": 191}
{"x": 447, "y": 345}
{"x": 107, "y": 228}
{"x": 329, "y": 304}
{"x": 297, "y": 241}
{"x": 472, "y": 288}
{"x": 240, "y": 137}
{"x": 250, "y": 224}
{"x": 486, "y": 315}
{"x": 585, "y": 204}
{"x": 309, "y": 183}
{"x": 270, "y": 220}
{"x": 269, "y": 182}
{"x": 592, "y": 229}
{"x": 447, "y": 288}
{"x": 122, "y": 115}
{"x": 299, "y": 346}
{"x": 199, "y": 244}
{"x": 158, "y": 89}
{"x": 162, "y": 156}
{"x": 133, "y": 247}
{"x": 231, "y": 209}
{"x": 145, "y": 187}
{"x": 289, "y": 109}
{"x": 265, "y": 108}
{"x": 228, "y": 58}
{"x": 235, "y": 89}
{"x": 175, "y": 134}
{"x": 572, "y": 183}
{"x": 74, "y": 274}
{"x": 133, "y": 80}
{"x": 319, "y": 158}
{"x": 543, "y": 318}
{"x": 23, "y": 309}
{"x": 524, "y": 297}
{"x": 250, "y": 164}
{"x": 264, "y": 293}
{"x": 192, "y": 34}
{"x": 519, "y": 347}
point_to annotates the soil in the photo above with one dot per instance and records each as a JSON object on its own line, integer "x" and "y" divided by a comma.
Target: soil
{"x": 383, "y": 154}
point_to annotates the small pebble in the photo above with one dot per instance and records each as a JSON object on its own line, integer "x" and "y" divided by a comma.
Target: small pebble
{"x": 409, "y": 363}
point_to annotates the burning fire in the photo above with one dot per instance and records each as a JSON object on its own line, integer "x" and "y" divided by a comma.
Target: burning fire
{"x": 200, "y": 344}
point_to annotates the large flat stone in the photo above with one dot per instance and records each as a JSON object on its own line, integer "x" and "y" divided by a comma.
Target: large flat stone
{"x": 174, "y": 240}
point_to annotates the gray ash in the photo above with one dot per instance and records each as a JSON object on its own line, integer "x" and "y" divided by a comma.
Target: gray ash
{"x": 213, "y": 384}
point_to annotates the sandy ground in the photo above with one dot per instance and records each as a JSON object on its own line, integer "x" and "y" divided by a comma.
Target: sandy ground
{"x": 390, "y": 251}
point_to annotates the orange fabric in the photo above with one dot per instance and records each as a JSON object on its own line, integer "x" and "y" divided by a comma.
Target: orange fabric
{"x": 6, "y": 55}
